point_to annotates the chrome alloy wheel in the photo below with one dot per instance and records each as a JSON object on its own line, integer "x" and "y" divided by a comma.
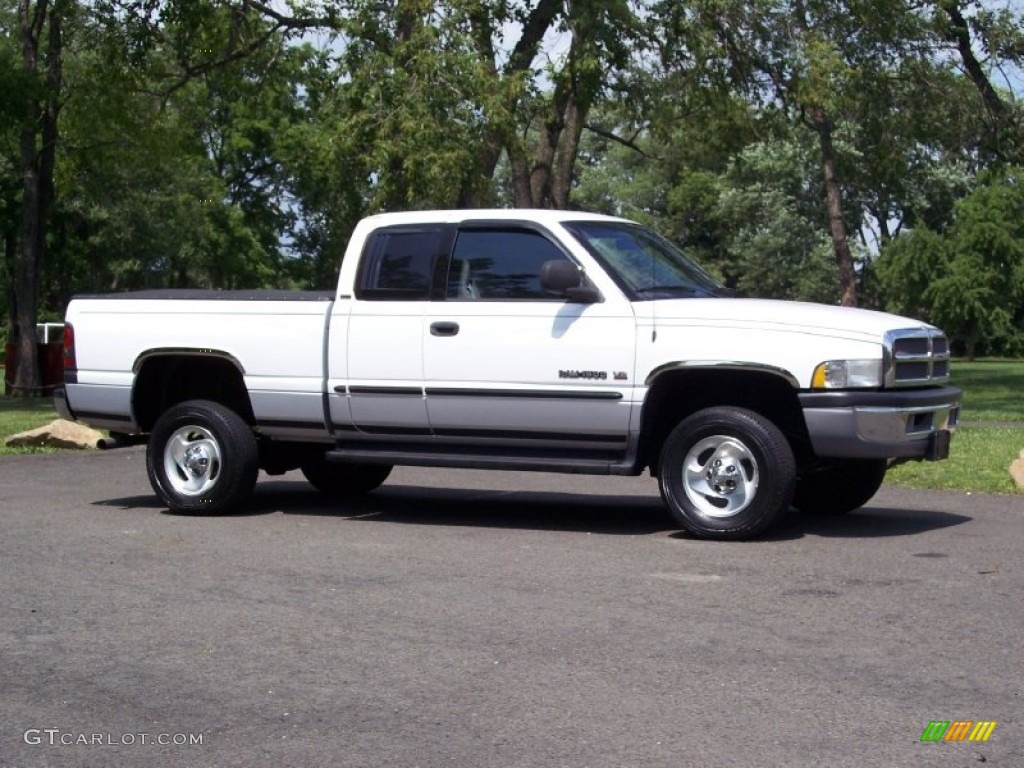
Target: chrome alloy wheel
{"x": 720, "y": 476}
{"x": 192, "y": 460}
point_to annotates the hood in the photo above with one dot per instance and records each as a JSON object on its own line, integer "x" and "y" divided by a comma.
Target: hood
{"x": 786, "y": 316}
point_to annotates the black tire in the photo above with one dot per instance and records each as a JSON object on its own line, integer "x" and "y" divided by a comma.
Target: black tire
{"x": 342, "y": 480}
{"x": 202, "y": 458}
{"x": 840, "y": 487}
{"x": 745, "y": 492}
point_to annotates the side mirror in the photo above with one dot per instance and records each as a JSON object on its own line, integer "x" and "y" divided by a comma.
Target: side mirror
{"x": 563, "y": 278}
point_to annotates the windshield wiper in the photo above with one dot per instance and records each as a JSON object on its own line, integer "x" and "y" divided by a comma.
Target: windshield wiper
{"x": 687, "y": 289}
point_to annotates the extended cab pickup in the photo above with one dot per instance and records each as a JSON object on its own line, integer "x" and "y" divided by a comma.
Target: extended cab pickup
{"x": 517, "y": 340}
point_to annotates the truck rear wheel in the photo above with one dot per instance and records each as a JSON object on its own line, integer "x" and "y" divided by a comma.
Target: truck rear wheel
{"x": 726, "y": 473}
{"x": 343, "y": 480}
{"x": 840, "y": 487}
{"x": 202, "y": 458}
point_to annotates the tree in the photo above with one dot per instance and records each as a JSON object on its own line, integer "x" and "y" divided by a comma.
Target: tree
{"x": 969, "y": 280}
{"x": 999, "y": 34}
{"x": 159, "y": 50}
{"x": 169, "y": 181}
{"x": 204, "y": 143}
{"x": 910, "y": 150}
{"x": 816, "y": 60}
{"x": 777, "y": 248}
{"x": 508, "y": 84}
{"x": 13, "y": 84}
{"x": 42, "y": 41}
{"x": 672, "y": 169}
{"x": 598, "y": 47}
{"x": 439, "y": 101}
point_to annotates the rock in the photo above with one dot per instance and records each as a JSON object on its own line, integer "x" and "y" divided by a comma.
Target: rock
{"x": 57, "y": 434}
{"x": 1017, "y": 470}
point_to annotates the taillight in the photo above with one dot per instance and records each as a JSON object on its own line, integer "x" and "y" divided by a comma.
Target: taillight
{"x": 70, "y": 364}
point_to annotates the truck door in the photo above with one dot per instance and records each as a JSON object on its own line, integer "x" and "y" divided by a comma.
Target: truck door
{"x": 376, "y": 357}
{"x": 507, "y": 364}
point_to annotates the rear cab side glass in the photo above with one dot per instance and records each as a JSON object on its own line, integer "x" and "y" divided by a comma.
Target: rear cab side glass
{"x": 399, "y": 263}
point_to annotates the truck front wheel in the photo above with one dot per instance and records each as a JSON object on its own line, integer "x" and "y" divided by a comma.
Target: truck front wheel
{"x": 840, "y": 487}
{"x": 726, "y": 473}
{"x": 202, "y": 458}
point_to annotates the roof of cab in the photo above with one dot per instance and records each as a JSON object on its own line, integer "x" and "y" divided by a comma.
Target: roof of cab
{"x": 539, "y": 215}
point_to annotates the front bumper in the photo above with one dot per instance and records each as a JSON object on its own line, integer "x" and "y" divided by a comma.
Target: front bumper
{"x": 892, "y": 424}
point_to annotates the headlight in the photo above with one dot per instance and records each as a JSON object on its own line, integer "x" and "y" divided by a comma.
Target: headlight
{"x": 847, "y": 374}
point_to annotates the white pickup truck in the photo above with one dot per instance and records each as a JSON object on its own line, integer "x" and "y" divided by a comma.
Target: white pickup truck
{"x": 516, "y": 340}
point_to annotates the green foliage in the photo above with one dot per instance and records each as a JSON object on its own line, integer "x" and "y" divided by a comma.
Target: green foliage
{"x": 411, "y": 111}
{"x": 236, "y": 144}
{"x": 970, "y": 279}
{"x": 908, "y": 267}
{"x": 178, "y": 182}
{"x": 777, "y": 248}
{"x": 746, "y": 212}
{"x": 15, "y": 87}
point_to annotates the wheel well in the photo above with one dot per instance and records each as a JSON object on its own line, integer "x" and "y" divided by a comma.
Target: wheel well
{"x": 674, "y": 395}
{"x": 165, "y": 380}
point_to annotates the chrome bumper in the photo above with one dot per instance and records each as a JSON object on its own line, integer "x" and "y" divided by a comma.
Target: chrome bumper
{"x": 901, "y": 424}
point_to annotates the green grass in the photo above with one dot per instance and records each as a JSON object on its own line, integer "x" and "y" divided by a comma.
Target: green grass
{"x": 20, "y": 414}
{"x": 979, "y": 462}
{"x": 993, "y": 391}
{"x": 981, "y": 453}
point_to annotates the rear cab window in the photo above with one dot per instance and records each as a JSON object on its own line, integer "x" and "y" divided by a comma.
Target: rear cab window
{"x": 398, "y": 263}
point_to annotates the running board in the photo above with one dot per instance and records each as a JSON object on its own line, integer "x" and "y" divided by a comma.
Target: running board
{"x": 476, "y": 461}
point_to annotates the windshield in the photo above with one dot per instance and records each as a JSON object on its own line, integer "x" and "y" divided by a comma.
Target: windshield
{"x": 645, "y": 265}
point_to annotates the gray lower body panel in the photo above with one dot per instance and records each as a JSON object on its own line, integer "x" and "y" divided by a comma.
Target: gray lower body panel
{"x": 101, "y": 405}
{"x": 882, "y": 425}
{"x": 581, "y": 420}
{"x": 290, "y": 416}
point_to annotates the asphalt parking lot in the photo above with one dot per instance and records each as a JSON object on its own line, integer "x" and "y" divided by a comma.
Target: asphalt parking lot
{"x": 495, "y": 620}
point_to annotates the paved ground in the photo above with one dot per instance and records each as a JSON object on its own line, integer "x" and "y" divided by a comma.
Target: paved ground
{"x": 495, "y": 620}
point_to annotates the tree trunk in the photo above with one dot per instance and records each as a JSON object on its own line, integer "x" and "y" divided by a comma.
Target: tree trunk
{"x": 544, "y": 157}
{"x": 500, "y": 138}
{"x": 834, "y": 203}
{"x": 475, "y": 188}
{"x": 38, "y": 157}
{"x": 959, "y": 34}
{"x": 476, "y": 185}
{"x": 396, "y": 182}
{"x": 520, "y": 175}
{"x": 10, "y": 257}
{"x": 559, "y": 141}
{"x": 583, "y": 85}
{"x": 568, "y": 149}
{"x": 26, "y": 265}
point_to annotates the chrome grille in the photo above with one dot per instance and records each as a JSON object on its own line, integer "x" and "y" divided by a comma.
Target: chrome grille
{"x": 916, "y": 357}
